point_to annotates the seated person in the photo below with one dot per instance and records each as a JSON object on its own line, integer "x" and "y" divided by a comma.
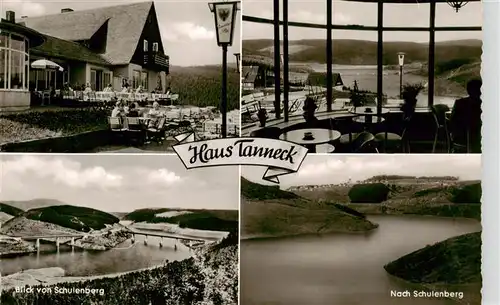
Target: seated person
{"x": 118, "y": 111}
{"x": 87, "y": 88}
{"x": 139, "y": 89}
{"x": 466, "y": 117}
{"x": 133, "y": 112}
{"x": 309, "y": 110}
{"x": 109, "y": 88}
{"x": 154, "y": 113}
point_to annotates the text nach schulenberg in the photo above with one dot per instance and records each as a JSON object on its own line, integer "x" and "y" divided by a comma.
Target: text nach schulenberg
{"x": 241, "y": 148}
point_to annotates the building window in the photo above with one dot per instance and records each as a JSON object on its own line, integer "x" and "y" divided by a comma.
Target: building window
{"x": 107, "y": 79}
{"x": 144, "y": 80}
{"x": 155, "y": 47}
{"x": 14, "y": 61}
{"x": 145, "y": 45}
{"x": 136, "y": 81}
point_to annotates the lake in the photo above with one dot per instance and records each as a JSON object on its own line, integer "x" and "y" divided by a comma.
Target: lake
{"x": 343, "y": 269}
{"x": 77, "y": 262}
{"x": 366, "y": 76}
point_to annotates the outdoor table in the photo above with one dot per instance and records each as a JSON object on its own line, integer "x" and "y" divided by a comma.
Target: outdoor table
{"x": 319, "y": 136}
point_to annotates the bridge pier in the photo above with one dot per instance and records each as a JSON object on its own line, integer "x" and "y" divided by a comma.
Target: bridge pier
{"x": 133, "y": 238}
{"x": 161, "y": 242}
{"x": 37, "y": 245}
{"x": 146, "y": 240}
{"x": 57, "y": 243}
{"x": 72, "y": 241}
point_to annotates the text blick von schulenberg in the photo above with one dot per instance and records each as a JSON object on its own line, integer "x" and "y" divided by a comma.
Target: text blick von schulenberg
{"x": 204, "y": 154}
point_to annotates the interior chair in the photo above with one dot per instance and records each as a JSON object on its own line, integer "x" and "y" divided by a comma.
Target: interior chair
{"x": 364, "y": 143}
{"x": 394, "y": 137}
{"x": 439, "y": 115}
{"x": 326, "y": 148}
{"x": 267, "y": 132}
{"x": 349, "y": 132}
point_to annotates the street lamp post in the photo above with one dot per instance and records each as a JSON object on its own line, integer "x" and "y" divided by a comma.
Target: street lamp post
{"x": 225, "y": 20}
{"x": 238, "y": 57}
{"x": 401, "y": 59}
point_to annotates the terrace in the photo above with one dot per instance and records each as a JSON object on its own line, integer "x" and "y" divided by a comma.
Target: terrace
{"x": 377, "y": 113}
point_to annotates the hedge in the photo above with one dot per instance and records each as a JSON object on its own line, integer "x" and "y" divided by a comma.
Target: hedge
{"x": 467, "y": 194}
{"x": 369, "y": 193}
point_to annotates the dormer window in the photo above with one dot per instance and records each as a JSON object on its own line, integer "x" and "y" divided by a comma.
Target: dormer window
{"x": 145, "y": 45}
{"x": 155, "y": 47}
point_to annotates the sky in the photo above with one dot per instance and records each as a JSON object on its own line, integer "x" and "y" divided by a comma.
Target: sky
{"x": 348, "y": 12}
{"x": 118, "y": 183}
{"x": 333, "y": 169}
{"x": 187, "y": 27}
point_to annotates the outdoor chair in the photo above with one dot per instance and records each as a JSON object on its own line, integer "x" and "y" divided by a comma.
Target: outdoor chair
{"x": 116, "y": 124}
{"x": 46, "y": 96}
{"x": 267, "y": 132}
{"x": 134, "y": 129}
{"x": 364, "y": 143}
{"x": 439, "y": 115}
{"x": 157, "y": 133}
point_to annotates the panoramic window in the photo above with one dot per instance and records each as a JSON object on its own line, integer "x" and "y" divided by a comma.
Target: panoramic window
{"x": 13, "y": 57}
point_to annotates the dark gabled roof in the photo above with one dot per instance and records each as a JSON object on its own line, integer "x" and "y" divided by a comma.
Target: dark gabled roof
{"x": 250, "y": 73}
{"x": 34, "y": 37}
{"x": 125, "y": 26}
{"x": 319, "y": 79}
{"x": 59, "y": 48}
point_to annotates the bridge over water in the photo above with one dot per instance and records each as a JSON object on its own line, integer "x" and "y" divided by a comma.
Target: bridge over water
{"x": 126, "y": 229}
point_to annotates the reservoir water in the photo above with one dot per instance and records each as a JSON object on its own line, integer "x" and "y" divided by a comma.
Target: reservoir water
{"x": 343, "y": 269}
{"x": 77, "y": 262}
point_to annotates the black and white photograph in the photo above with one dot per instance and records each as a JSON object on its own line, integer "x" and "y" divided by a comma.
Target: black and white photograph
{"x": 371, "y": 229}
{"x": 358, "y": 76}
{"x": 127, "y": 76}
{"x": 117, "y": 229}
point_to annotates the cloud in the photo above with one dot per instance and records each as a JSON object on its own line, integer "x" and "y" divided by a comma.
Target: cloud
{"x": 182, "y": 30}
{"x": 318, "y": 170}
{"x": 24, "y": 8}
{"x": 163, "y": 176}
{"x": 61, "y": 171}
{"x": 360, "y": 168}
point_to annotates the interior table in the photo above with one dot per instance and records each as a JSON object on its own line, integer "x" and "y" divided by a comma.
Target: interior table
{"x": 318, "y": 136}
{"x": 368, "y": 110}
